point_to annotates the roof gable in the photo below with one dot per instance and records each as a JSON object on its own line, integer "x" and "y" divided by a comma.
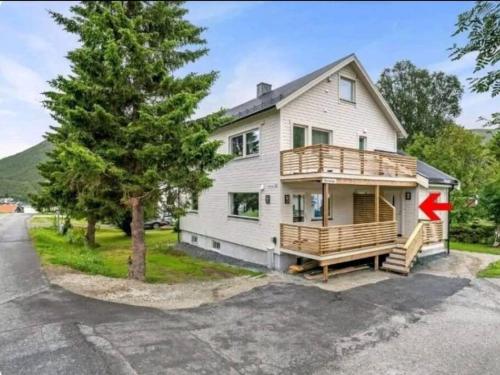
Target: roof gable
{"x": 281, "y": 96}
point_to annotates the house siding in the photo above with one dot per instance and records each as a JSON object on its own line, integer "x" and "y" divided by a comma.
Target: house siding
{"x": 242, "y": 175}
{"x": 321, "y": 107}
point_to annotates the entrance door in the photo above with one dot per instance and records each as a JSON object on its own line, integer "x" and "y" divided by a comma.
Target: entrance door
{"x": 298, "y": 208}
{"x": 397, "y": 202}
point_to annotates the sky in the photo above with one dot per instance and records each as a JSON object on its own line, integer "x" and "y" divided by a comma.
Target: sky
{"x": 249, "y": 42}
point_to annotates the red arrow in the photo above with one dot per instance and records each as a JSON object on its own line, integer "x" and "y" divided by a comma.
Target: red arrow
{"x": 430, "y": 204}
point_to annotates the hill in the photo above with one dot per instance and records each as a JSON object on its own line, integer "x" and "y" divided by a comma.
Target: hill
{"x": 19, "y": 174}
{"x": 486, "y": 134}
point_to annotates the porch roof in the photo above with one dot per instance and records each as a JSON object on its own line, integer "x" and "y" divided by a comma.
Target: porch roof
{"x": 434, "y": 175}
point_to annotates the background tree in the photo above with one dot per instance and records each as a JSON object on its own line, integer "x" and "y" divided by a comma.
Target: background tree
{"x": 460, "y": 153}
{"x": 482, "y": 23}
{"x": 128, "y": 62}
{"x": 423, "y": 101}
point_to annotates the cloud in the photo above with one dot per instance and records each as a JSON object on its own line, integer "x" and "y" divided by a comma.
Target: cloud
{"x": 7, "y": 112}
{"x": 463, "y": 66}
{"x": 20, "y": 83}
{"x": 217, "y": 10}
{"x": 263, "y": 64}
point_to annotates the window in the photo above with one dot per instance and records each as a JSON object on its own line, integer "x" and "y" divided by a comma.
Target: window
{"x": 299, "y": 136}
{"x": 298, "y": 208}
{"x": 216, "y": 244}
{"x": 252, "y": 142}
{"x": 362, "y": 143}
{"x": 245, "y": 205}
{"x": 194, "y": 239}
{"x": 347, "y": 89}
{"x": 317, "y": 206}
{"x": 194, "y": 201}
{"x": 320, "y": 137}
{"x": 245, "y": 144}
{"x": 237, "y": 145}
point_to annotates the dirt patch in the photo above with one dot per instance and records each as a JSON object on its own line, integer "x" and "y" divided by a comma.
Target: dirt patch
{"x": 162, "y": 296}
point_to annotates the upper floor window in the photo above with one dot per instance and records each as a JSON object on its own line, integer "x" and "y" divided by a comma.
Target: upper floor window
{"x": 362, "y": 142}
{"x": 245, "y": 144}
{"x": 320, "y": 137}
{"x": 347, "y": 89}
{"x": 299, "y": 136}
{"x": 194, "y": 202}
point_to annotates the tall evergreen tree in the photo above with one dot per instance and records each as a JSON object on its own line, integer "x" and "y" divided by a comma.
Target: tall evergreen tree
{"x": 136, "y": 121}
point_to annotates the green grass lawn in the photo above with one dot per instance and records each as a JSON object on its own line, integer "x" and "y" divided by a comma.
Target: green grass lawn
{"x": 475, "y": 248}
{"x": 163, "y": 264}
{"x": 493, "y": 269}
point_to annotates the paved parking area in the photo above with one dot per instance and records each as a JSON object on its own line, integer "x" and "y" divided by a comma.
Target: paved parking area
{"x": 425, "y": 324}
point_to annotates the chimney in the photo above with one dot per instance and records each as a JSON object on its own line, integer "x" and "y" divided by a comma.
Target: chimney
{"x": 263, "y": 88}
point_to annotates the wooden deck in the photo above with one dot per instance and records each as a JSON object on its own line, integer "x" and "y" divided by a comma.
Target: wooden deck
{"x": 339, "y": 161}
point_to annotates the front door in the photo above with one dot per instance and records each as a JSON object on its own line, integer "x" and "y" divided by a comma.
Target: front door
{"x": 397, "y": 202}
{"x": 298, "y": 208}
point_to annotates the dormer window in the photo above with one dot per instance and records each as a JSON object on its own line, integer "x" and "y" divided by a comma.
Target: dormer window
{"x": 347, "y": 89}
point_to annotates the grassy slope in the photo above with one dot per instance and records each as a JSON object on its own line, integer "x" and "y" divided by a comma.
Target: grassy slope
{"x": 493, "y": 269}
{"x": 110, "y": 259}
{"x": 19, "y": 174}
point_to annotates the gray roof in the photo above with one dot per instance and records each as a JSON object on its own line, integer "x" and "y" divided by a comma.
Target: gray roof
{"x": 272, "y": 97}
{"x": 434, "y": 175}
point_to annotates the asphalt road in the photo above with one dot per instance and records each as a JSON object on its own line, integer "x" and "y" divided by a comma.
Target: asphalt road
{"x": 421, "y": 324}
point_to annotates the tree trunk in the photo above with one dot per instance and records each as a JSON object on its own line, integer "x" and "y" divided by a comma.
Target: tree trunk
{"x": 497, "y": 237}
{"x": 90, "y": 235}
{"x": 137, "y": 265}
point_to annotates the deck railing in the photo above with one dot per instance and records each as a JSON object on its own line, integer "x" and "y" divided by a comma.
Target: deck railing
{"x": 334, "y": 159}
{"x": 327, "y": 240}
{"x": 432, "y": 231}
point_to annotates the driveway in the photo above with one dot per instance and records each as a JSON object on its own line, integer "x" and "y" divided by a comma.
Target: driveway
{"x": 424, "y": 323}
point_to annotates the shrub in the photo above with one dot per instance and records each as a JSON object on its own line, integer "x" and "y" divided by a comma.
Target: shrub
{"x": 76, "y": 236}
{"x": 474, "y": 232}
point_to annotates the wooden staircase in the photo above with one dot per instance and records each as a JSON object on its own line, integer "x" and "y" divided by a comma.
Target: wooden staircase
{"x": 403, "y": 256}
{"x": 396, "y": 261}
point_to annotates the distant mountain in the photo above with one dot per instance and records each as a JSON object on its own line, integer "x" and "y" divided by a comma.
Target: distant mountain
{"x": 485, "y": 133}
{"x": 19, "y": 174}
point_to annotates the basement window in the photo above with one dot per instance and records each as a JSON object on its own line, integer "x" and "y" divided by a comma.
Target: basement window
{"x": 194, "y": 239}
{"x": 216, "y": 245}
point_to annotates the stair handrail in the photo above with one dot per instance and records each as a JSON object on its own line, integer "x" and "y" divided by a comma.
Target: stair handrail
{"x": 393, "y": 209}
{"x": 414, "y": 243}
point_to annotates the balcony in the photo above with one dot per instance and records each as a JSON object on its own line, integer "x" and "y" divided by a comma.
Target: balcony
{"x": 323, "y": 241}
{"x": 335, "y": 161}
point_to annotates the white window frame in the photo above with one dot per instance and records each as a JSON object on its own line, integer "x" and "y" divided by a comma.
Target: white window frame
{"x": 366, "y": 142}
{"x": 330, "y": 134}
{"x": 244, "y": 135}
{"x": 230, "y": 205}
{"x": 330, "y": 208}
{"x": 354, "y": 84}
{"x": 308, "y": 134}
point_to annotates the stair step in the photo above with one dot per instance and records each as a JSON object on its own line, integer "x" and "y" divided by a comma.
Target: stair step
{"x": 394, "y": 268}
{"x": 397, "y": 256}
{"x": 396, "y": 262}
{"x": 398, "y": 251}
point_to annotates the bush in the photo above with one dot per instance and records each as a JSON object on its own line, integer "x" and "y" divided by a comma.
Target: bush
{"x": 76, "y": 236}
{"x": 475, "y": 232}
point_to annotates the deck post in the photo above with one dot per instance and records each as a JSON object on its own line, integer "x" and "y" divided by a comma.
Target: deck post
{"x": 377, "y": 203}
{"x": 325, "y": 207}
{"x": 376, "y": 263}
{"x": 325, "y": 273}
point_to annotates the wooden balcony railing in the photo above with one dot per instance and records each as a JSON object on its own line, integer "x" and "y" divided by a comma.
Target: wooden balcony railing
{"x": 327, "y": 240}
{"x": 432, "y": 231}
{"x": 334, "y": 159}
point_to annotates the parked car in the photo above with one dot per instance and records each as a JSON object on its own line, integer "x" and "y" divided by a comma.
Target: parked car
{"x": 157, "y": 223}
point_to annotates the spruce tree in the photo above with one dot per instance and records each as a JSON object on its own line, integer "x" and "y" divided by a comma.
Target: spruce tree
{"x": 126, "y": 103}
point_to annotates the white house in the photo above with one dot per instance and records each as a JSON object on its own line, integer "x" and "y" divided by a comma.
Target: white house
{"x": 326, "y": 137}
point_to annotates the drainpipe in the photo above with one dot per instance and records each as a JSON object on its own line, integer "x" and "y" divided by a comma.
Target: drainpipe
{"x": 449, "y": 221}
